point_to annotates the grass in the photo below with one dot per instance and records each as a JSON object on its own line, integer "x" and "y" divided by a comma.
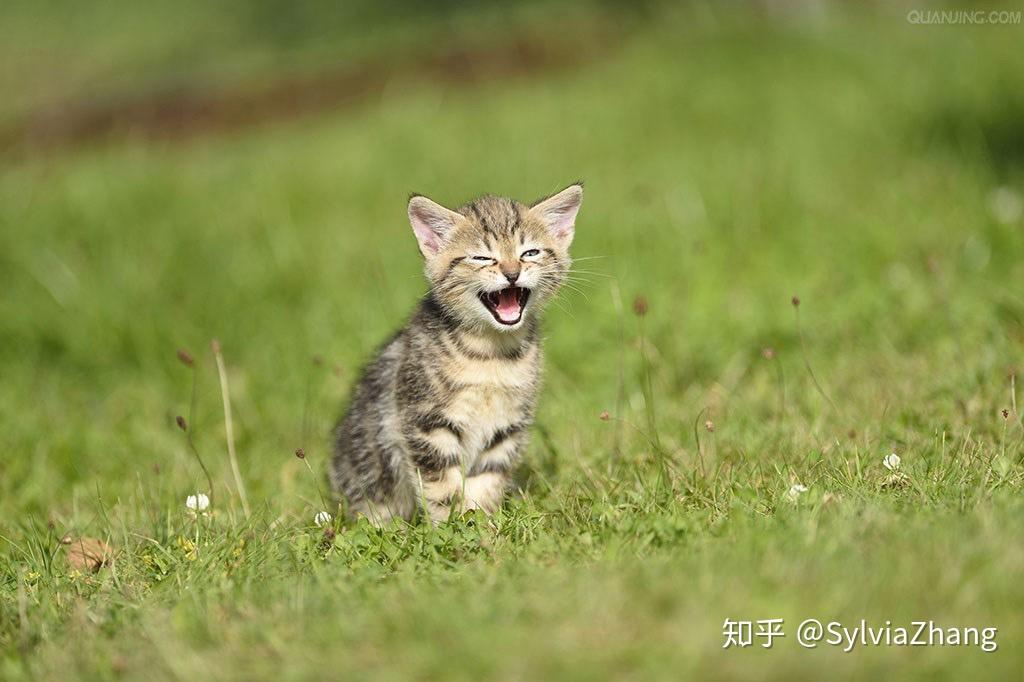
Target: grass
{"x": 732, "y": 161}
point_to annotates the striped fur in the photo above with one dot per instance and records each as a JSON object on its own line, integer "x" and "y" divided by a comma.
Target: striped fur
{"x": 441, "y": 414}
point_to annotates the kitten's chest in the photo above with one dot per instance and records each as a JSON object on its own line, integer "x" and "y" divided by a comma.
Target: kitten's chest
{"x": 491, "y": 396}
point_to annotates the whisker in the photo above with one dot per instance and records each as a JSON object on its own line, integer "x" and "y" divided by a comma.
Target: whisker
{"x": 580, "y": 292}
{"x": 601, "y": 274}
{"x": 561, "y": 306}
{"x": 580, "y": 280}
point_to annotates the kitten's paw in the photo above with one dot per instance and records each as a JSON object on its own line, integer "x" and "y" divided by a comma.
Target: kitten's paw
{"x": 485, "y": 491}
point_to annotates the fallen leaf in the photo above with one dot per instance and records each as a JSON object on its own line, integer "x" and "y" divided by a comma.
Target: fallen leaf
{"x": 88, "y": 554}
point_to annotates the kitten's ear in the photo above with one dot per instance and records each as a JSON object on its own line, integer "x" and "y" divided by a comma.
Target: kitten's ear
{"x": 559, "y": 211}
{"x": 431, "y": 222}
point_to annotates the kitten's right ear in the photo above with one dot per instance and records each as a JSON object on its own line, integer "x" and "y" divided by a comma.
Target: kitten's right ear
{"x": 559, "y": 211}
{"x": 431, "y": 222}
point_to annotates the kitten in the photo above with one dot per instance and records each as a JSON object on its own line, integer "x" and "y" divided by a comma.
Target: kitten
{"x": 442, "y": 413}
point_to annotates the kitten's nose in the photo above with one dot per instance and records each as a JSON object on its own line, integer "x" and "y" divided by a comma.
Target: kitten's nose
{"x": 510, "y": 275}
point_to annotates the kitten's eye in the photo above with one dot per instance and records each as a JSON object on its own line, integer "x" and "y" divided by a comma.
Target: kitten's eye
{"x": 531, "y": 252}
{"x": 481, "y": 259}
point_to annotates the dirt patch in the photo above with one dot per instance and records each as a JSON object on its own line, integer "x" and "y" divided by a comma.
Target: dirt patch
{"x": 179, "y": 113}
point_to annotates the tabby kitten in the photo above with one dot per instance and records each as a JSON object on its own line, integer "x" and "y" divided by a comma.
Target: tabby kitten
{"x": 441, "y": 414}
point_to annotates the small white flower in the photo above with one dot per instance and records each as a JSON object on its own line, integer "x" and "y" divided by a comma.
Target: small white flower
{"x": 892, "y": 462}
{"x": 322, "y": 518}
{"x": 796, "y": 490}
{"x": 198, "y": 502}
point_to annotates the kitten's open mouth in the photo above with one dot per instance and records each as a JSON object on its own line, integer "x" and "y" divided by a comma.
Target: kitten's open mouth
{"x": 506, "y": 305}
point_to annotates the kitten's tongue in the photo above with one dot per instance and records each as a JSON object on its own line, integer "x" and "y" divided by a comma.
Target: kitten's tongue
{"x": 508, "y": 305}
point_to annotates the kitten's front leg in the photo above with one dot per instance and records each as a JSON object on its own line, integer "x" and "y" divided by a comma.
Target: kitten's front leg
{"x": 435, "y": 450}
{"x": 490, "y": 477}
{"x": 440, "y": 491}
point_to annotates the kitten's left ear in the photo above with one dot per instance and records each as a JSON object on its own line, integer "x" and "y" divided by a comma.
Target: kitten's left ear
{"x": 432, "y": 223}
{"x": 559, "y": 211}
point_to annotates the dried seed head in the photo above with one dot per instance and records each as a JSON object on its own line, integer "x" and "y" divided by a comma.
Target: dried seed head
{"x": 605, "y": 416}
{"x": 180, "y": 421}
{"x": 215, "y": 346}
{"x": 1006, "y": 413}
{"x": 795, "y": 301}
{"x": 640, "y": 306}
{"x": 300, "y": 453}
{"x": 768, "y": 353}
{"x": 185, "y": 358}
{"x": 710, "y": 426}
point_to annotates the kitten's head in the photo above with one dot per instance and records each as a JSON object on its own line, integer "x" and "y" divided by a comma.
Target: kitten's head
{"x": 495, "y": 262}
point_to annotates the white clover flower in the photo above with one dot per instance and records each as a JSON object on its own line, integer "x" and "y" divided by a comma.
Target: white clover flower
{"x": 892, "y": 462}
{"x": 796, "y": 490}
{"x": 198, "y": 502}
{"x": 322, "y": 518}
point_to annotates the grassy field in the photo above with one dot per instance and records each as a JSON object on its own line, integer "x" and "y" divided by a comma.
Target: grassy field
{"x": 871, "y": 167}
